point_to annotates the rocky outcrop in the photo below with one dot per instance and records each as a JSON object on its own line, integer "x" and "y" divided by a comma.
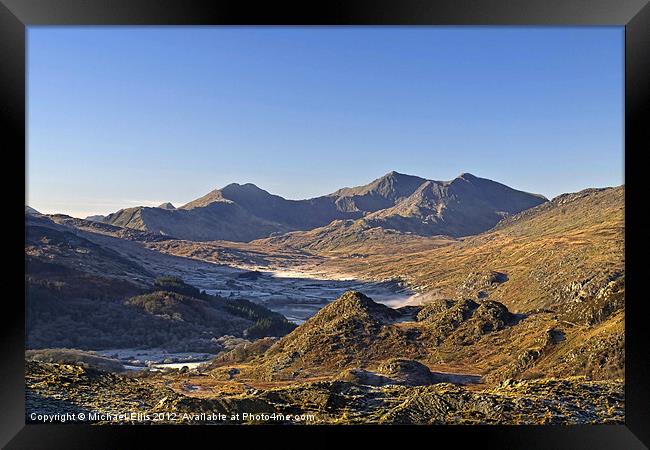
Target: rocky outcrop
{"x": 464, "y": 321}
{"x": 481, "y": 285}
{"x": 407, "y": 372}
{"x": 594, "y": 300}
{"x": 395, "y": 371}
{"x": 351, "y": 330}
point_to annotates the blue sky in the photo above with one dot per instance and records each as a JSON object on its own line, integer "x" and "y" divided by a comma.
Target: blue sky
{"x": 119, "y": 117}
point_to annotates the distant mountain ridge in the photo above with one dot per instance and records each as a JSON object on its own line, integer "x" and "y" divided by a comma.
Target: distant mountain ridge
{"x": 464, "y": 206}
{"x": 31, "y": 211}
{"x": 242, "y": 212}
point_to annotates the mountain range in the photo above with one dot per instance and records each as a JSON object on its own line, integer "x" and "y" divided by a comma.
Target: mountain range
{"x": 463, "y": 206}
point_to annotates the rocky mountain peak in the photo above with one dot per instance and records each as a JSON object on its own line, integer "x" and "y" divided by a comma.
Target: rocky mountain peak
{"x": 395, "y": 175}
{"x": 243, "y": 189}
{"x": 357, "y": 306}
{"x": 379, "y": 193}
{"x": 167, "y": 205}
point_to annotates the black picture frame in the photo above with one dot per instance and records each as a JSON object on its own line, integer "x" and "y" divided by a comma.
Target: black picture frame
{"x": 634, "y": 15}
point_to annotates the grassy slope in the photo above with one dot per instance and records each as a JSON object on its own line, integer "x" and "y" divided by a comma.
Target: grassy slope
{"x": 576, "y": 238}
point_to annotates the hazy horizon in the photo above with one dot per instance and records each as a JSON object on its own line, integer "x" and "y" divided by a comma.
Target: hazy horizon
{"x": 125, "y": 116}
{"x": 114, "y": 204}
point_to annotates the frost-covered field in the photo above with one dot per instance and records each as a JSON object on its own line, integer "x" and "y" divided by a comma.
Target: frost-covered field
{"x": 297, "y": 292}
{"x": 299, "y": 296}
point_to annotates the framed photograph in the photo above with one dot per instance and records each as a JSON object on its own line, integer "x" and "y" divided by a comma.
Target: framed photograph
{"x": 381, "y": 219}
